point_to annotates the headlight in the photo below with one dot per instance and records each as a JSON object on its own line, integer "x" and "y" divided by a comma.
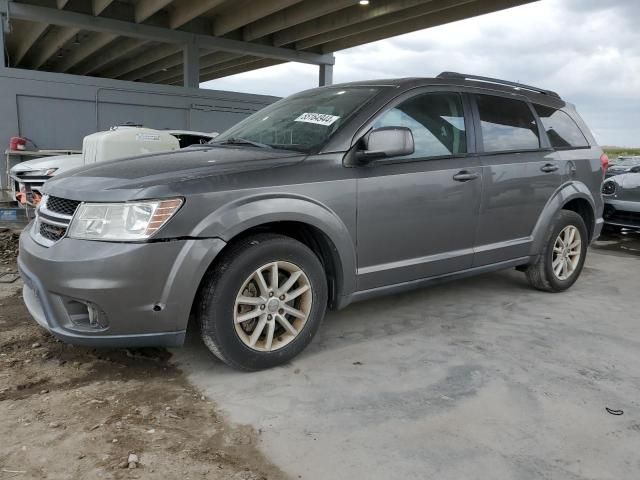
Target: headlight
{"x": 609, "y": 187}
{"x": 45, "y": 172}
{"x": 122, "y": 221}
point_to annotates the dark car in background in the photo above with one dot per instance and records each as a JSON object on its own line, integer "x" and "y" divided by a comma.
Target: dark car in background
{"x": 621, "y": 195}
{"x": 327, "y": 197}
{"x": 624, "y": 165}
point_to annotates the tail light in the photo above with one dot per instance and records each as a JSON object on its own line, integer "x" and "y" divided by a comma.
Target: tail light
{"x": 17, "y": 143}
{"x": 604, "y": 161}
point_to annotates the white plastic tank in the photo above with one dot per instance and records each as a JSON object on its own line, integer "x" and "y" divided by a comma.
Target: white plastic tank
{"x": 126, "y": 141}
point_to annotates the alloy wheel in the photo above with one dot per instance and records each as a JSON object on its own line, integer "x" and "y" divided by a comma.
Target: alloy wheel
{"x": 567, "y": 250}
{"x": 272, "y": 306}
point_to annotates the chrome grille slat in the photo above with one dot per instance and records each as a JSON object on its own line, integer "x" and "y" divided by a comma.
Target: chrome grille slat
{"x": 53, "y": 217}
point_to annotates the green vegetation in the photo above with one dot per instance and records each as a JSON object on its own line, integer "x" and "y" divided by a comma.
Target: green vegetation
{"x": 615, "y": 152}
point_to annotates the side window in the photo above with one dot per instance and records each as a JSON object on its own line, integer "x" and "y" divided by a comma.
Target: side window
{"x": 507, "y": 124}
{"x": 562, "y": 131}
{"x": 436, "y": 121}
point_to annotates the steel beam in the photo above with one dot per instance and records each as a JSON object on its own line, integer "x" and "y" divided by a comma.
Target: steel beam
{"x": 99, "y": 6}
{"x": 162, "y": 35}
{"x": 54, "y": 41}
{"x": 299, "y": 13}
{"x": 191, "y": 66}
{"x": 150, "y": 68}
{"x": 343, "y": 18}
{"x": 30, "y": 36}
{"x": 453, "y": 14}
{"x": 262, "y": 63}
{"x": 147, "y": 56}
{"x": 3, "y": 45}
{"x": 146, "y": 8}
{"x": 244, "y": 12}
{"x": 120, "y": 48}
{"x": 158, "y": 72}
{"x": 186, "y": 10}
{"x": 85, "y": 50}
{"x": 325, "y": 76}
{"x": 379, "y": 21}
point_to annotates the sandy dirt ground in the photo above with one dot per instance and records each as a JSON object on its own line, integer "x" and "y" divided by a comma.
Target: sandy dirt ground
{"x": 76, "y": 413}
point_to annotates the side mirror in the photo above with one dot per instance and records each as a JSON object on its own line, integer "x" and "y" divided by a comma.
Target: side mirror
{"x": 386, "y": 142}
{"x": 635, "y": 169}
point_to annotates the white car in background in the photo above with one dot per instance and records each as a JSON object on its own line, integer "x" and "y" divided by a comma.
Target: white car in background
{"x": 118, "y": 142}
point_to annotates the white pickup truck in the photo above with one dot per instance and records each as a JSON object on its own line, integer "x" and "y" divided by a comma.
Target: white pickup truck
{"x": 118, "y": 142}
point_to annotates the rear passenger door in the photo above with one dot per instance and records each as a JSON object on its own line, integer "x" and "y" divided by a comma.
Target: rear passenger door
{"x": 417, "y": 214}
{"x": 520, "y": 174}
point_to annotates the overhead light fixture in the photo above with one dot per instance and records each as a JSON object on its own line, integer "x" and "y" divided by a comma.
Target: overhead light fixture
{"x": 364, "y": 2}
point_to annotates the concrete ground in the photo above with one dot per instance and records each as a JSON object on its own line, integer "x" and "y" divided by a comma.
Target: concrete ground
{"x": 483, "y": 378}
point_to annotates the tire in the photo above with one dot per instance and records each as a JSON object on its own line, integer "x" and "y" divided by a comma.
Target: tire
{"x": 236, "y": 277}
{"x": 541, "y": 274}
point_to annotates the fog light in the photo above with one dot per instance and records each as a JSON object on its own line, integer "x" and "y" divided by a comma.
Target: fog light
{"x": 85, "y": 315}
{"x": 97, "y": 318}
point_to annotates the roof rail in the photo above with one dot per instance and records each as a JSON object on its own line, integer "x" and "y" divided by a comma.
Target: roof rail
{"x": 464, "y": 76}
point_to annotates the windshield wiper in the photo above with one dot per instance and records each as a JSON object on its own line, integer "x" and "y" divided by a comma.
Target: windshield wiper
{"x": 242, "y": 141}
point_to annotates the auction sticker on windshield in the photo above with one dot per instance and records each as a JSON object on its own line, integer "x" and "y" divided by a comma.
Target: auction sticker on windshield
{"x": 317, "y": 118}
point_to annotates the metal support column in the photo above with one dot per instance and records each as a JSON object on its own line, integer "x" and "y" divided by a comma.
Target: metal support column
{"x": 325, "y": 74}
{"x": 3, "y": 46}
{"x": 191, "y": 66}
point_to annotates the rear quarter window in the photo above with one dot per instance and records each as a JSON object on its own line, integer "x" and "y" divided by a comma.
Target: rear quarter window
{"x": 562, "y": 131}
{"x": 507, "y": 124}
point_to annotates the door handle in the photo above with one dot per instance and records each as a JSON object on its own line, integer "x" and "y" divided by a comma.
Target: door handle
{"x": 465, "y": 176}
{"x": 549, "y": 167}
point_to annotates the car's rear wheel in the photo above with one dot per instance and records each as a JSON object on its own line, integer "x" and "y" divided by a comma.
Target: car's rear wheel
{"x": 562, "y": 259}
{"x": 262, "y": 302}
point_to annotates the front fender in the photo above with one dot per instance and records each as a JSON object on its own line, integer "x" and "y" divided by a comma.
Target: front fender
{"x": 567, "y": 192}
{"x": 242, "y": 214}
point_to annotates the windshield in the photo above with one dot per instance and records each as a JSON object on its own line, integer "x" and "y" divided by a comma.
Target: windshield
{"x": 302, "y": 122}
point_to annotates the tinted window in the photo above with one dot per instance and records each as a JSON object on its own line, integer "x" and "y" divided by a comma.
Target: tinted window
{"x": 436, "y": 121}
{"x": 507, "y": 124}
{"x": 561, "y": 129}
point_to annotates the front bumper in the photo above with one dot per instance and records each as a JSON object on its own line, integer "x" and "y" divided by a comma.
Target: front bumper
{"x": 622, "y": 213}
{"x": 143, "y": 291}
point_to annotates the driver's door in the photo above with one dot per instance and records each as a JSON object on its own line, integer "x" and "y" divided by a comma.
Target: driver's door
{"x": 418, "y": 214}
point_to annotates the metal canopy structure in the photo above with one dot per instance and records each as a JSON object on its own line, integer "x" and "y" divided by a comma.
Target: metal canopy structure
{"x": 185, "y": 42}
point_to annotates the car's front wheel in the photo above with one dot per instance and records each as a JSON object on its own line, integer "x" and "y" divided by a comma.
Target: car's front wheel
{"x": 262, "y": 302}
{"x": 561, "y": 261}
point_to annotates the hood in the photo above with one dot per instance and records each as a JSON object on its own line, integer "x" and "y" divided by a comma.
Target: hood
{"x": 61, "y": 162}
{"x": 170, "y": 173}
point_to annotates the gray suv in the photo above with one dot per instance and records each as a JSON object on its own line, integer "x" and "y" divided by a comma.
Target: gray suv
{"x": 330, "y": 196}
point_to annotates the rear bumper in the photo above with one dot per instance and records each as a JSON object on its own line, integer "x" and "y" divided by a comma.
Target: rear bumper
{"x": 143, "y": 292}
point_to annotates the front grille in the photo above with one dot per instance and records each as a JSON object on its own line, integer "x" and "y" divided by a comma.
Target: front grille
{"x": 62, "y": 205}
{"x": 625, "y": 218}
{"x": 52, "y": 232}
{"x": 53, "y": 218}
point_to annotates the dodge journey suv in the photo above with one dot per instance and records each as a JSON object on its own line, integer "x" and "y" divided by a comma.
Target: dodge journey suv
{"x": 333, "y": 195}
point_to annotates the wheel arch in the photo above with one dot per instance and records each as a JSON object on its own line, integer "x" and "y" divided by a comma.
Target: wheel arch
{"x": 574, "y": 196}
{"x": 303, "y": 219}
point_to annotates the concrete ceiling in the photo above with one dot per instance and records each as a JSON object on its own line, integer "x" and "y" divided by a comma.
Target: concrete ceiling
{"x": 146, "y": 40}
